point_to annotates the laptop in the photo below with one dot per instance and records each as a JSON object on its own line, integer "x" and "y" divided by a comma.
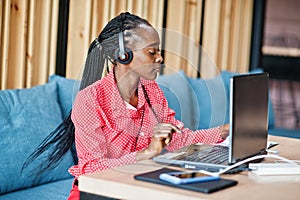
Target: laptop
{"x": 248, "y": 129}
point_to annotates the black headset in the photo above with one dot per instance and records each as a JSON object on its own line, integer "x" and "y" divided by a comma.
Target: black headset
{"x": 123, "y": 54}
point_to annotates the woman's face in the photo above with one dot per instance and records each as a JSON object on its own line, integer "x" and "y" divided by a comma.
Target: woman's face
{"x": 147, "y": 60}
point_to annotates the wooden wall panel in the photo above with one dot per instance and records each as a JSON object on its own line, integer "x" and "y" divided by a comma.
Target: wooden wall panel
{"x": 38, "y": 47}
{"x": 28, "y": 42}
{"x": 42, "y": 31}
{"x": 190, "y": 50}
{"x": 31, "y": 42}
{"x": 78, "y": 36}
{"x": 174, "y": 36}
{"x": 53, "y": 36}
{"x": 225, "y": 30}
{"x": 241, "y": 36}
{"x": 137, "y": 7}
{"x": 99, "y": 20}
{"x": 236, "y": 27}
{"x": 182, "y": 37}
{"x": 227, "y": 34}
{"x": 16, "y": 50}
{"x": 4, "y": 40}
{"x": 88, "y": 18}
{"x": 211, "y": 36}
{"x": 28, "y": 35}
{"x": 246, "y": 37}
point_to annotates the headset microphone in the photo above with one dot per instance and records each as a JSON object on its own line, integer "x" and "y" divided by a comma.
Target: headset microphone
{"x": 123, "y": 55}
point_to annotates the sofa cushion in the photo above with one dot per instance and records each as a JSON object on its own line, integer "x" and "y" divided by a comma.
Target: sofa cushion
{"x": 27, "y": 116}
{"x": 66, "y": 89}
{"x": 58, "y": 190}
{"x": 211, "y": 100}
{"x": 180, "y": 97}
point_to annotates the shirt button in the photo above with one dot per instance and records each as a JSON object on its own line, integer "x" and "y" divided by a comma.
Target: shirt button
{"x": 142, "y": 134}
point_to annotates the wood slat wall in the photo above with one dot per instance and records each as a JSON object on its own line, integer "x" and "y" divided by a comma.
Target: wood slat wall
{"x": 28, "y": 42}
{"x": 28, "y": 35}
{"x": 227, "y": 34}
{"x": 88, "y": 18}
{"x": 182, "y": 36}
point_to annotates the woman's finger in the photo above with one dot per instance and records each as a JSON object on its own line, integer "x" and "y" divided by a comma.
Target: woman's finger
{"x": 161, "y": 135}
{"x": 168, "y": 140}
{"x": 167, "y": 126}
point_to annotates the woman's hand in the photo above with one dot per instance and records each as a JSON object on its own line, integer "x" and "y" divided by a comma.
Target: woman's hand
{"x": 162, "y": 136}
{"x": 224, "y": 131}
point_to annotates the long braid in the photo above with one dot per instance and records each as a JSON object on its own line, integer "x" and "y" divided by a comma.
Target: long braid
{"x": 101, "y": 50}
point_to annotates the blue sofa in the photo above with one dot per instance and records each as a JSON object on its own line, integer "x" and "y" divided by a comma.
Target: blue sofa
{"x": 27, "y": 116}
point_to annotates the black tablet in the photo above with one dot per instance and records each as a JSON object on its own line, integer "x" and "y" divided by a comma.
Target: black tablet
{"x": 204, "y": 187}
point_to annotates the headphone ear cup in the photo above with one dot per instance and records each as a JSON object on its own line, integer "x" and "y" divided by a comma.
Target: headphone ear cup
{"x": 126, "y": 58}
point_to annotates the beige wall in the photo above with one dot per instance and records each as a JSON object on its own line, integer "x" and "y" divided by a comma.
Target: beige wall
{"x": 29, "y": 31}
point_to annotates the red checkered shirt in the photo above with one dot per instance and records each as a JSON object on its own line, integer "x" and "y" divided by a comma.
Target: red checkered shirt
{"x": 109, "y": 132}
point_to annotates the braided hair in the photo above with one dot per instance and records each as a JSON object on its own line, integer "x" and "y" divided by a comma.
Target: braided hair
{"x": 101, "y": 50}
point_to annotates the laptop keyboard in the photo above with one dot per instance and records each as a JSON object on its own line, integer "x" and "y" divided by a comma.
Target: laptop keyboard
{"x": 216, "y": 154}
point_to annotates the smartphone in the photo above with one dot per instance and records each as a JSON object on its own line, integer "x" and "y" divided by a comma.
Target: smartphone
{"x": 186, "y": 177}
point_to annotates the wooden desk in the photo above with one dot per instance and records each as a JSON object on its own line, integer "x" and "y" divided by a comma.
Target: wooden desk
{"x": 119, "y": 182}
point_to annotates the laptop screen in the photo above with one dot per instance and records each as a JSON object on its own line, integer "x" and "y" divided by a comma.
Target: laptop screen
{"x": 248, "y": 115}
